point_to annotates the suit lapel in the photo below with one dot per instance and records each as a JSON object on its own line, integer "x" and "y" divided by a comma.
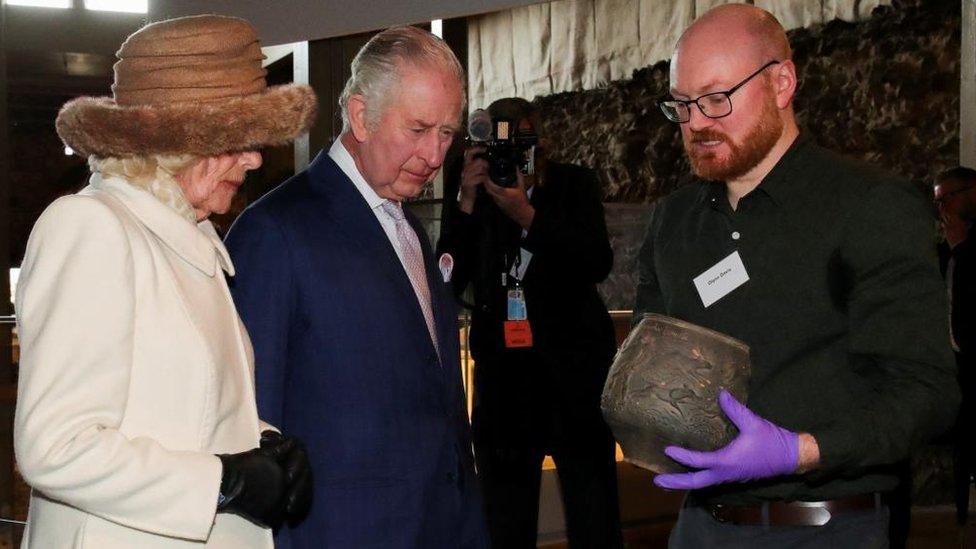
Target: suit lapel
{"x": 357, "y": 220}
{"x": 445, "y": 319}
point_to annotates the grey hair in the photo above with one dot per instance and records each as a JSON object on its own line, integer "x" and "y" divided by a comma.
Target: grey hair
{"x": 377, "y": 68}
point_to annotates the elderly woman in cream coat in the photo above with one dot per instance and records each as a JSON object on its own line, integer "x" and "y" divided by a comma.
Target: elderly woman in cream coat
{"x": 136, "y": 424}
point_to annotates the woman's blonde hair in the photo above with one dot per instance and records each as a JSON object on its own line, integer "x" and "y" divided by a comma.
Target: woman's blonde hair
{"x": 139, "y": 169}
{"x": 154, "y": 174}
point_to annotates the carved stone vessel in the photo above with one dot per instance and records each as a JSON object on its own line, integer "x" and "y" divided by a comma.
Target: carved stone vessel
{"x": 663, "y": 389}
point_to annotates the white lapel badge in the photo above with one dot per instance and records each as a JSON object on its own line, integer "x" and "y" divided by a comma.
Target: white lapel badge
{"x": 446, "y": 265}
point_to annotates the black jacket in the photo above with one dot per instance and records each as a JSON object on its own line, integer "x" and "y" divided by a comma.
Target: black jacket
{"x": 572, "y": 331}
{"x": 963, "y": 313}
{"x": 844, "y": 311}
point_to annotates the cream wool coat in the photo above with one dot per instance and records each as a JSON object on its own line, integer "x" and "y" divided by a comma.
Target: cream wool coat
{"x": 135, "y": 370}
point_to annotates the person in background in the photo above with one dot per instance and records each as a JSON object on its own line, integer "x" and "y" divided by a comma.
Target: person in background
{"x": 955, "y": 200}
{"x": 542, "y": 243}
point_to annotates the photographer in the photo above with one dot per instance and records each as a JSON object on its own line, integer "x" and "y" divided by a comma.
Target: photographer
{"x": 541, "y": 336}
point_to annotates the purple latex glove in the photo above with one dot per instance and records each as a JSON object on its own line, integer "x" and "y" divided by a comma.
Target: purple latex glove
{"x": 761, "y": 450}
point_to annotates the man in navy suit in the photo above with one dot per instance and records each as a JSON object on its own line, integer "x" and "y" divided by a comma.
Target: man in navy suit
{"x": 354, "y": 330}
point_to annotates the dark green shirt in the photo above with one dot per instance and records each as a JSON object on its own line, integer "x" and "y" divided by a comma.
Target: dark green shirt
{"x": 844, "y": 311}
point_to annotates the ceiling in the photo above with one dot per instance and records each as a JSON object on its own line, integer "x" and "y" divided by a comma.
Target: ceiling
{"x": 284, "y": 21}
{"x": 54, "y": 55}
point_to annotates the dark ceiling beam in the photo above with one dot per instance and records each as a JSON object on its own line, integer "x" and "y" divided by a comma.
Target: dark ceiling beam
{"x": 63, "y": 85}
{"x": 33, "y": 62}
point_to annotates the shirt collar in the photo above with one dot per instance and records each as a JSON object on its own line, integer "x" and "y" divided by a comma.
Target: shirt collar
{"x": 340, "y": 155}
{"x": 197, "y": 244}
{"x": 780, "y": 184}
{"x": 713, "y": 194}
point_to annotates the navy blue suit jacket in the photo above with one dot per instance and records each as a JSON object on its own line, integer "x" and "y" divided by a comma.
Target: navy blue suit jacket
{"x": 344, "y": 361}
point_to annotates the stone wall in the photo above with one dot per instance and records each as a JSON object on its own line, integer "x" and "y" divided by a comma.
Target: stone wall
{"x": 885, "y": 90}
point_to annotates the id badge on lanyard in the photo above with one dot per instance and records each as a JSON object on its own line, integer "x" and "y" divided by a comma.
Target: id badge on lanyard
{"x": 518, "y": 332}
{"x": 516, "y": 304}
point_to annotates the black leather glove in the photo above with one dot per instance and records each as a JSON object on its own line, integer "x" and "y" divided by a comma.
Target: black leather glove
{"x": 298, "y": 473}
{"x": 253, "y": 485}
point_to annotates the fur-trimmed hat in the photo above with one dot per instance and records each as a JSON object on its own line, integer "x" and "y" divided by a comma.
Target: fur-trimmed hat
{"x": 191, "y": 85}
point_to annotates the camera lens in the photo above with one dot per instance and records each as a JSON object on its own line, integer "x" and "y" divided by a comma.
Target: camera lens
{"x": 502, "y": 166}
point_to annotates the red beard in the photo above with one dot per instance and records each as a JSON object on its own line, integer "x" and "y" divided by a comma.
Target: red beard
{"x": 742, "y": 156}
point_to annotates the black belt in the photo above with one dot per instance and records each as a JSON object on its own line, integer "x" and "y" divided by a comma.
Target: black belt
{"x": 794, "y": 513}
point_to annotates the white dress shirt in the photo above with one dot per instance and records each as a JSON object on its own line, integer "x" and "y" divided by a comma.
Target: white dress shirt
{"x": 344, "y": 160}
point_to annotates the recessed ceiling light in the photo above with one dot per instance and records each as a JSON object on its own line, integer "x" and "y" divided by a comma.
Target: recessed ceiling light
{"x": 130, "y": 6}
{"x": 40, "y": 3}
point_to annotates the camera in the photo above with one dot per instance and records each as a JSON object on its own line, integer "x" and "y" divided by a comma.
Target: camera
{"x": 507, "y": 148}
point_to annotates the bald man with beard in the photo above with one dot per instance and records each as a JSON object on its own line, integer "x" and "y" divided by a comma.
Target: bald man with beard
{"x": 828, "y": 273}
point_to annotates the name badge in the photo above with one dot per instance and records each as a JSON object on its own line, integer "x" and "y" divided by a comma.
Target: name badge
{"x": 719, "y": 280}
{"x": 518, "y": 270}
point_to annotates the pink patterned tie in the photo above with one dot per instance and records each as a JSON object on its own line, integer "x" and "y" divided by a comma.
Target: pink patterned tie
{"x": 413, "y": 259}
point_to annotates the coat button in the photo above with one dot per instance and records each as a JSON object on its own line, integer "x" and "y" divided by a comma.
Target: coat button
{"x": 451, "y": 477}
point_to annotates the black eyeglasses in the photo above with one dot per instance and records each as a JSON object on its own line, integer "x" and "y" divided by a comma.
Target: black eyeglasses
{"x": 712, "y": 105}
{"x": 942, "y": 200}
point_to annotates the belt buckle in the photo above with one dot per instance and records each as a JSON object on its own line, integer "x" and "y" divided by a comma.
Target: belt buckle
{"x": 716, "y": 511}
{"x": 818, "y": 512}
